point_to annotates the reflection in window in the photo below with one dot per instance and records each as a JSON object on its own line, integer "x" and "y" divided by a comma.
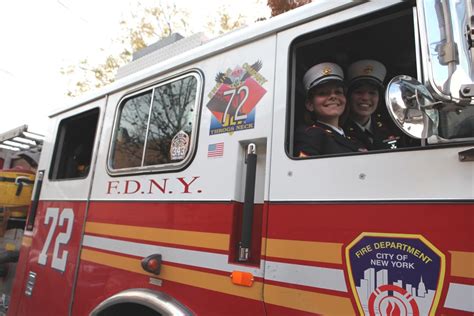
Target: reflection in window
{"x": 165, "y": 130}
{"x": 130, "y": 137}
{"x": 172, "y": 113}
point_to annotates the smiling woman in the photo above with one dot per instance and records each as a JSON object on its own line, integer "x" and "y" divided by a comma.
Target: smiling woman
{"x": 364, "y": 96}
{"x": 325, "y": 105}
{"x": 367, "y": 65}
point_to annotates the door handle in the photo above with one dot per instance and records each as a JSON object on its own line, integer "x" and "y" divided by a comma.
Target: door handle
{"x": 249, "y": 202}
{"x": 34, "y": 203}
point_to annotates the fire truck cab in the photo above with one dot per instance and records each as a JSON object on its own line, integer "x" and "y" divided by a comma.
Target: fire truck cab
{"x": 176, "y": 190}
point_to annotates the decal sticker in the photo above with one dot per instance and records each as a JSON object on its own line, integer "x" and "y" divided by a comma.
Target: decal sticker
{"x": 234, "y": 98}
{"x": 395, "y": 274}
{"x": 215, "y": 150}
{"x": 179, "y": 146}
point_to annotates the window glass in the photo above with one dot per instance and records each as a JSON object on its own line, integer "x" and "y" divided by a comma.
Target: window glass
{"x": 349, "y": 130}
{"x": 171, "y": 116}
{"x": 74, "y": 145}
{"x": 131, "y": 131}
{"x": 155, "y": 127}
{"x": 387, "y": 37}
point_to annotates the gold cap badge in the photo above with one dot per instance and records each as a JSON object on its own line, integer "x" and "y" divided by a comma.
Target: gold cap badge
{"x": 368, "y": 69}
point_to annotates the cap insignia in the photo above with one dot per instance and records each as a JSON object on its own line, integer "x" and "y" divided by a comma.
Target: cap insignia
{"x": 327, "y": 71}
{"x": 368, "y": 70}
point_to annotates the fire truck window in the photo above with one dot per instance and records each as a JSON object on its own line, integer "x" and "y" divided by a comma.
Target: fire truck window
{"x": 171, "y": 116}
{"x": 155, "y": 127}
{"x": 73, "y": 149}
{"x": 373, "y": 37}
{"x": 130, "y": 138}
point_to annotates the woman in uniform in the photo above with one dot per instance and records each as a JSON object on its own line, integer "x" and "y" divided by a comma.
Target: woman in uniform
{"x": 364, "y": 93}
{"x": 325, "y": 105}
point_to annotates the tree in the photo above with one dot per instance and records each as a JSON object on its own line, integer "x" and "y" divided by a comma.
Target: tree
{"x": 282, "y": 6}
{"x": 138, "y": 30}
{"x": 147, "y": 24}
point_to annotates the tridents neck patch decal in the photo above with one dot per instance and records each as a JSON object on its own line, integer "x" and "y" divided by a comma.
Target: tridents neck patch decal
{"x": 234, "y": 98}
{"x": 395, "y": 274}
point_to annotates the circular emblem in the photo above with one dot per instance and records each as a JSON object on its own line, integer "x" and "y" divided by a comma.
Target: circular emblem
{"x": 392, "y": 300}
{"x": 179, "y": 146}
{"x": 327, "y": 71}
{"x": 368, "y": 70}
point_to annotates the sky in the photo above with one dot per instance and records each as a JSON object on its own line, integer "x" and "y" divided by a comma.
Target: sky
{"x": 38, "y": 38}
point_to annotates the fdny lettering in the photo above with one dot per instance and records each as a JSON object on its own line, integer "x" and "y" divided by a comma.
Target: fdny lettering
{"x": 181, "y": 185}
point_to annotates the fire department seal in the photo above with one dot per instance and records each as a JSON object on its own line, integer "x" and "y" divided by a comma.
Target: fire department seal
{"x": 395, "y": 274}
{"x": 179, "y": 146}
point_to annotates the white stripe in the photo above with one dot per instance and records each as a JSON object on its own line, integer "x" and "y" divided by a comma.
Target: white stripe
{"x": 324, "y": 278}
{"x": 182, "y": 256}
{"x": 460, "y": 297}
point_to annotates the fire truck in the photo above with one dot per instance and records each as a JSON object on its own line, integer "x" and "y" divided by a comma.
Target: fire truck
{"x": 176, "y": 189}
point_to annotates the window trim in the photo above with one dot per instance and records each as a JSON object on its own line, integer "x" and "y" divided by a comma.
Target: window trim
{"x": 177, "y": 166}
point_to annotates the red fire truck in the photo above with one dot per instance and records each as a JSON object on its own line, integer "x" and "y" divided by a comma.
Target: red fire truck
{"x": 176, "y": 190}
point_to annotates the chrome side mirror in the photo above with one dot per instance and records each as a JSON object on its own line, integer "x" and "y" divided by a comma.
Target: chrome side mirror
{"x": 447, "y": 34}
{"x": 410, "y": 105}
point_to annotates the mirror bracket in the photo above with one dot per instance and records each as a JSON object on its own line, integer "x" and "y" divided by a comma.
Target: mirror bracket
{"x": 447, "y": 53}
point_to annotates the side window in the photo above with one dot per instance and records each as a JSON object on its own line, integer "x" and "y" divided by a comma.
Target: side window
{"x": 74, "y": 145}
{"x": 130, "y": 135}
{"x": 375, "y": 38}
{"x": 156, "y": 128}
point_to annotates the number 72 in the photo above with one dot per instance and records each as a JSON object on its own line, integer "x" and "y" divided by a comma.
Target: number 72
{"x": 52, "y": 214}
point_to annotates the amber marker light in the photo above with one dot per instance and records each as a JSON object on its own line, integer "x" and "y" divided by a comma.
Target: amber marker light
{"x": 152, "y": 264}
{"x": 242, "y": 278}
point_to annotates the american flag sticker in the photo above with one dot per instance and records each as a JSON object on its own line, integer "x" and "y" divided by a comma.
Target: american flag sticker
{"x": 215, "y": 150}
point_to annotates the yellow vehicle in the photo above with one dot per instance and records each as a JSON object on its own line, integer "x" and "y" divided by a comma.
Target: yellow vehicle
{"x": 15, "y": 187}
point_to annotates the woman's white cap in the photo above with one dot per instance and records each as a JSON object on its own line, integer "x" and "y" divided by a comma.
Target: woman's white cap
{"x": 322, "y": 73}
{"x": 368, "y": 70}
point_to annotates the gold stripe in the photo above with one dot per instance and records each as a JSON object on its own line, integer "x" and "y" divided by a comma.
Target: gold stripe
{"x": 462, "y": 264}
{"x": 180, "y": 237}
{"x": 279, "y": 248}
{"x": 291, "y": 298}
{"x": 199, "y": 279}
{"x": 305, "y": 250}
{"x": 26, "y": 241}
{"x": 323, "y": 304}
{"x": 264, "y": 246}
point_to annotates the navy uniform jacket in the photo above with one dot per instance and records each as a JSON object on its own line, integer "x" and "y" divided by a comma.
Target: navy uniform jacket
{"x": 321, "y": 139}
{"x": 384, "y": 135}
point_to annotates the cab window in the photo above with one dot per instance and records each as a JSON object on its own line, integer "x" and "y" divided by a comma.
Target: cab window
{"x": 388, "y": 37}
{"x": 155, "y": 128}
{"x": 74, "y": 145}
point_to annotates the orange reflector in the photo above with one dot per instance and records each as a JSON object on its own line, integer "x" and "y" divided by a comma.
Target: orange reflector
{"x": 242, "y": 278}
